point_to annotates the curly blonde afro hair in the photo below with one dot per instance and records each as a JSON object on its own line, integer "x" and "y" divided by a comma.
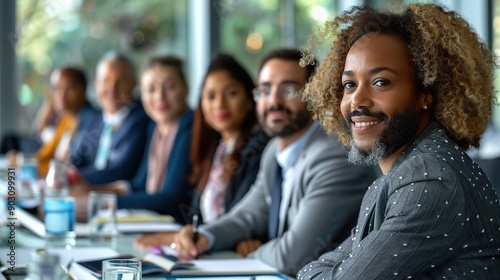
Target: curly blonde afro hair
{"x": 450, "y": 59}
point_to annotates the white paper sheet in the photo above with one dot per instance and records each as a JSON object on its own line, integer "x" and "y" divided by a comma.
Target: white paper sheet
{"x": 228, "y": 266}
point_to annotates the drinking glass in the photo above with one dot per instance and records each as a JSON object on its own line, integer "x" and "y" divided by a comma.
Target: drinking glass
{"x": 58, "y": 206}
{"x": 28, "y": 189}
{"x": 121, "y": 269}
{"x": 101, "y": 213}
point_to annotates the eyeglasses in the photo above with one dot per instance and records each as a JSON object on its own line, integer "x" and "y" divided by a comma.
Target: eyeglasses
{"x": 286, "y": 92}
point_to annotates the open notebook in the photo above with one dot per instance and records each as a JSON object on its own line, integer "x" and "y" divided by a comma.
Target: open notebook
{"x": 227, "y": 277}
{"x": 128, "y": 222}
{"x": 243, "y": 266}
{"x": 88, "y": 261}
{"x": 156, "y": 264}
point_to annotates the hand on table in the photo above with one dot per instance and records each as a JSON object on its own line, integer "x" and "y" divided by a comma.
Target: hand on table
{"x": 146, "y": 241}
{"x": 246, "y": 247}
{"x": 81, "y": 195}
{"x": 184, "y": 245}
{"x": 74, "y": 177}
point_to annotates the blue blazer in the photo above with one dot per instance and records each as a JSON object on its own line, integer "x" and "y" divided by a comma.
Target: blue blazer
{"x": 86, "y": 116}
{"x": 126, "y": 147}
{"x": 174, "y": 192}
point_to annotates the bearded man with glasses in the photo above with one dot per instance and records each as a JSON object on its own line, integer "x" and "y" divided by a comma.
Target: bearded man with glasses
{"x": 304, "y": 199}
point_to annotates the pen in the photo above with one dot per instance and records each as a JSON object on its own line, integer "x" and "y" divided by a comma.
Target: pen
{"x": 195, "y": 228}
{"x": 71, "y": 276}
{"x": 157, "y": 250}
{"x": 70, "y": 263}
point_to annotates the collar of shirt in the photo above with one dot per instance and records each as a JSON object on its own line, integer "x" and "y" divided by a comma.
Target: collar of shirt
{"x": 116, "y": 118}
{"x": 287, "y": 157}
{"x": 230, "y": 145}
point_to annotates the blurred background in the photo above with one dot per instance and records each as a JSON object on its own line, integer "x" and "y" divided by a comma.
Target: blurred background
{"x": 37, "y": 36}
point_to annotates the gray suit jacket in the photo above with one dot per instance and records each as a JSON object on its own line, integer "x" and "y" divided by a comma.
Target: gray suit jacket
{"x": 434, "y": 215}
{"x": 326, "y": 194}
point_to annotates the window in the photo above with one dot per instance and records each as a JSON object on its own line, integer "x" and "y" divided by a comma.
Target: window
{"x": 496, "y": 49}
{"x": 250, "y": 29}
{"x": 55, "y": 33}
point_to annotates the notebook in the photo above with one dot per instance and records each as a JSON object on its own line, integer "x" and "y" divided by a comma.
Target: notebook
{"x": 156, "y": 264}
{"x": 150, "y": 264}
{"x": 243, "y": 266}
{"x": 128, "y": 222}
{"x": 228, "y": 277}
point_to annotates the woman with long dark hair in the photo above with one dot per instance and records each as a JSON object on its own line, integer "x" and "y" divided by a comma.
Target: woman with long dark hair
{"x": 226, "y": 146}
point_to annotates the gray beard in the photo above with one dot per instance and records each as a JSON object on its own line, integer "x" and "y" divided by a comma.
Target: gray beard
{"x": 377, "y": 152}
{"x": 399, "y": 132}
{"x": 295, "y": 123}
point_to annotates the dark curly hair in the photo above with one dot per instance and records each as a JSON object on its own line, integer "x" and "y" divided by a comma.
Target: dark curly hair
{"x": 450, "y": 60}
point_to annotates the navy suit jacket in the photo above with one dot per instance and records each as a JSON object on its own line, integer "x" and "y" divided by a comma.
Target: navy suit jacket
{"x": 87, "y": 115}
{"x": 126, "y": 148}
{"x": 175, "y": 188}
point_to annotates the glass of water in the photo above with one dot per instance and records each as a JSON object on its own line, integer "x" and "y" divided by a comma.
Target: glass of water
{"x": 101, "y": 213}
{"x": 121, "y": 269}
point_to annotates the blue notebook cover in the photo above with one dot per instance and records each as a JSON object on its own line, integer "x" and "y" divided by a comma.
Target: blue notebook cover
{"x": 148, "y": 268}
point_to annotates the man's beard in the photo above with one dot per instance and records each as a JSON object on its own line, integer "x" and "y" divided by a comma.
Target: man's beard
{"x": 399, "y": 131}
{"x": 289, "y": 126}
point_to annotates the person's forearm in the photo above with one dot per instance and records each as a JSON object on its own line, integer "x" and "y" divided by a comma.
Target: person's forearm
{"x": 118, "y": 187}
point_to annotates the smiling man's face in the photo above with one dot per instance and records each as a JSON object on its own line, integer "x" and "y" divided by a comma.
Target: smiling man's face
{"x": 381, "y": 100}
{"x": 278, "y": 116}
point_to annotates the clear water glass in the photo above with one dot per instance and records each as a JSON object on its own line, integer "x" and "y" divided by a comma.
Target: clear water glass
{"x": 121, "y": 269}
{"x": 101, "y": 213}
{"x": 59, "y": 217}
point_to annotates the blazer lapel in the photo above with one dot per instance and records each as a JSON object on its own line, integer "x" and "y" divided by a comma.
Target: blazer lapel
{"x": 366, "y": 213}
{"x": 295, "y": 184}
{"x": 120, "y": 129}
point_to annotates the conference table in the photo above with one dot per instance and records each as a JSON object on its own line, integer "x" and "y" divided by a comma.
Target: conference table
{"x": 27, "y": 236}
{"x": 84, "y": 248}
{"x": 26, "y": 242}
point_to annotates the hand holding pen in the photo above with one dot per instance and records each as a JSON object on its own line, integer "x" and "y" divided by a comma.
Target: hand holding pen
{"x": 195, "y": 228}
{"x": 195, "y": 231}
{"x": 189, "y": 242}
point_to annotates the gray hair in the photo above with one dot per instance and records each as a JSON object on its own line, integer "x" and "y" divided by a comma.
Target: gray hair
{"x": 118, "y": 57}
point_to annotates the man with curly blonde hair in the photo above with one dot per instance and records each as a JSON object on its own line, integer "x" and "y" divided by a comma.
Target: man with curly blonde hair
{"x": 410, "y": 91}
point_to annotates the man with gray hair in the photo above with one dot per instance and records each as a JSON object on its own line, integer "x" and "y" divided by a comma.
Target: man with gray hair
{"x": 109, "y": 148}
